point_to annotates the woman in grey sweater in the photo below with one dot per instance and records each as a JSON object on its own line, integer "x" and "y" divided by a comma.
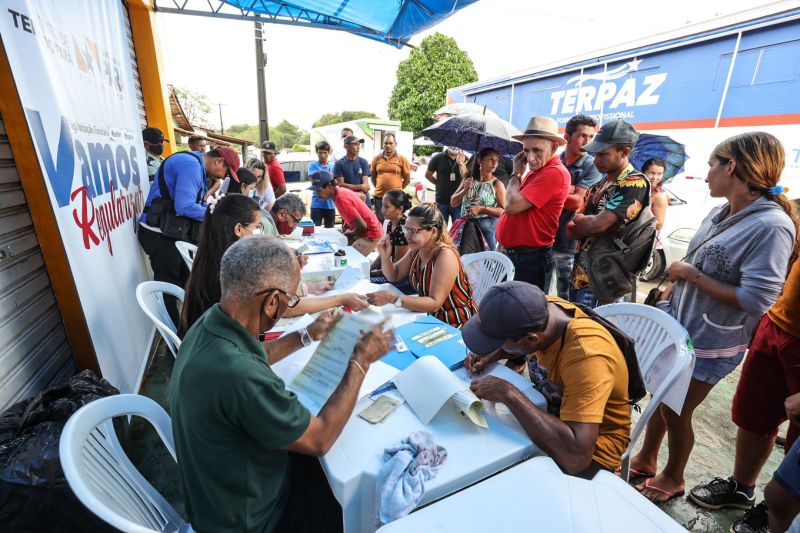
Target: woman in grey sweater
{"x": 738, "y": 262}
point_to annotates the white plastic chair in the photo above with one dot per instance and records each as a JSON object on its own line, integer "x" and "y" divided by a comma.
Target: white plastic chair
{"x": 654, "y": 333}
{"x": 486, "y": 269}
{"x": 150, "y": 295}
{"x": 187, "y": 251}
{"x": 100, "y": 473}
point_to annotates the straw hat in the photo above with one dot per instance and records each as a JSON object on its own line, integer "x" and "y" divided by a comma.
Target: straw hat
{"x": 544, "y": 127}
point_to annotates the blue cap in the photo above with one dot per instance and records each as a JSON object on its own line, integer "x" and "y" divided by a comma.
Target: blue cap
{"x": 319, "y": 179}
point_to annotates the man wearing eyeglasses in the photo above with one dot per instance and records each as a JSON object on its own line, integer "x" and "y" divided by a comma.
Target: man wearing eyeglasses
{"x": 246, "y": 448}
{"x": 284, "y": 216}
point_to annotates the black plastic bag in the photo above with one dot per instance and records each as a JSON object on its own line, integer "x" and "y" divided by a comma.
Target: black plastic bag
{"x": 34, "y": 495}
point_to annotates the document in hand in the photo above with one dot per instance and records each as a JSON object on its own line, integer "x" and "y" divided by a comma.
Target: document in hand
{"x": 324, "y": 371}
{"x": 428, "y": 384}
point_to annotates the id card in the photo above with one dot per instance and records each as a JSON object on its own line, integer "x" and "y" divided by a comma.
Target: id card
{"x": 452, "y": 176}
{"x": 379, "y": 410}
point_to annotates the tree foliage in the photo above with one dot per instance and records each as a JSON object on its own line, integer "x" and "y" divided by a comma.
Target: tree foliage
{"x": 343, "y": 116}
{"x": 436, "y": 65}
{"x": 285, "y": 134}
{"x": 195, "y": 105}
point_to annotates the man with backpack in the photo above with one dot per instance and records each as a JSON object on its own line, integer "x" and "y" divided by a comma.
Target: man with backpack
{"x": 573, "y": 359}
{"x": 615, "y": 226}
{"x": 175, "y": 201}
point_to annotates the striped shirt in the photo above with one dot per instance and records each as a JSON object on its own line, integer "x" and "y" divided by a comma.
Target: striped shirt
{"x": 459, "y": 305}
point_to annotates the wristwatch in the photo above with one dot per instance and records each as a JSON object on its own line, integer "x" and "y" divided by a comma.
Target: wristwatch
{"x": 305, "y": 338}
{"x": 398, "y": 302}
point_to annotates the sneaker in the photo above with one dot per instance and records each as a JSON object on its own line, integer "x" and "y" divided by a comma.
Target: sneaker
{"x": 721, "y": 493}
{"x": 754, "y": 520}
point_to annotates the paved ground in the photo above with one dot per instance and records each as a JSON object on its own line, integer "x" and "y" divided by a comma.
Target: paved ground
{"x": 713, "y": 454}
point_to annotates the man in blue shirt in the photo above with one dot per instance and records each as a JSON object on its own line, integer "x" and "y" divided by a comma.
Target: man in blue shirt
{"x": 352, "y": 171}
{"x": 322, "y": 210}
{"x": 184, "y": 175}
{"x": 578, "y": 132}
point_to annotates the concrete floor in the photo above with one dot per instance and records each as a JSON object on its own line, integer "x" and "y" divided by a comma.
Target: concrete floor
{"x": 713, "y": 454}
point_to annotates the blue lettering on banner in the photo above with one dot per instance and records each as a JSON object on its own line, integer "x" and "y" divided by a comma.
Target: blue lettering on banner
{"x": 105, "y": 169}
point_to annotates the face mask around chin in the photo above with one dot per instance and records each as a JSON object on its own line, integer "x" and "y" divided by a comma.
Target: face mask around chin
{"x": 157, "y": 149}
{"x": 252, "y": 193}
{"x": 258, "y": 231}
{"x": 284, "y": 228}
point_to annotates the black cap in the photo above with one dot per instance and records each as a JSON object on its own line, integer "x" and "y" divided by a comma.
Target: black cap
{"x": 614, "y": 132}
{"x": 507, "y": 311}
{"x": 153, "y": 135}
{"x": 319, "y": 179}
{"x": 352, "y": 139}
{"x": 269, "y": 146}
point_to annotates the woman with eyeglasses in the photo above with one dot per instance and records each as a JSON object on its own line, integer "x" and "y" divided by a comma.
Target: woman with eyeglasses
{"x": 433, "y": 268}
{"x": 235, "y": 216}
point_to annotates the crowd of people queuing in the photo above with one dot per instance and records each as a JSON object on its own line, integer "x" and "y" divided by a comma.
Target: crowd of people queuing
{"x": 551, "y": 210}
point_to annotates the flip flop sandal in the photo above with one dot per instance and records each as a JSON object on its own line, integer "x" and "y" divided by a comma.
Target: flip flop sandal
{"x": 670, "y": 495}
{"x": 633, "y": 473}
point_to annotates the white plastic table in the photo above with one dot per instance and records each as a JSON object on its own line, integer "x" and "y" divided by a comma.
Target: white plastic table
{"x": 537, "y": 496}
{"x": 473, "y": 453}
{"x": 322, "y": 265}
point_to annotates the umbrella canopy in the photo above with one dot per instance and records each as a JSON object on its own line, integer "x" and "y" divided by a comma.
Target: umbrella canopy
{"x": 390, "y": 21}
{"x": 663, "y": 147}
{"x": 473, "y": 132}
{"x": 463, "y": 108}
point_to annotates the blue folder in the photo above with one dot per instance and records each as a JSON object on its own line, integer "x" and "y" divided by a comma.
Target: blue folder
{"x": 450, "y": 351}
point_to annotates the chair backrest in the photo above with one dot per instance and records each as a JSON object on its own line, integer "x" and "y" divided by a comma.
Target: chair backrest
{"x": 486, "y": 269}
{"x": 150, "y": 295}
{"x": 663, "y": 349}
{"x": 101, "y": 475}
{"x": 187, "y": 251}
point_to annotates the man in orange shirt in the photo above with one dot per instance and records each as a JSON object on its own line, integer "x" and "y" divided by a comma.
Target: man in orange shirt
{"x": 389, "y": 170}
{"x": 770, "y": 374}
{"x": 527, "y": 228}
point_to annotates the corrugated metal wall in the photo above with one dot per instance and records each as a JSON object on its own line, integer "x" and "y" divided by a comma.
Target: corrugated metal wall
{"x": 34, "y": 352}
{"x": 136, "y": 80}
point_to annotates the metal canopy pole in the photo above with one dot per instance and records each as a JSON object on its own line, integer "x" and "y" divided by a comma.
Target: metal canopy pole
{"x": 261, "y": 63}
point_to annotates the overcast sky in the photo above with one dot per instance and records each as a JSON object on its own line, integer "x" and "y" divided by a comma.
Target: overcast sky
{"x": 311, "y": 72}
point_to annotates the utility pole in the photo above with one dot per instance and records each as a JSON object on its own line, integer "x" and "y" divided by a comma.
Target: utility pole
{"x": 261, "y": 63}
{"x": 221, "y": 124}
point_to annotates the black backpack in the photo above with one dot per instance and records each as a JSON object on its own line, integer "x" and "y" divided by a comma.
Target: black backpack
{"x": 636, "y": 387}
{"x": 161, "y": 212}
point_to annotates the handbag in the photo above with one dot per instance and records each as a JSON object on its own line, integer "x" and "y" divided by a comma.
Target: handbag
{"x": 655, "y": 294}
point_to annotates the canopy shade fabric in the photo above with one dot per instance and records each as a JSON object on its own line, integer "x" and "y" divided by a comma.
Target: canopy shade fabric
{"x": 391, "y": 21}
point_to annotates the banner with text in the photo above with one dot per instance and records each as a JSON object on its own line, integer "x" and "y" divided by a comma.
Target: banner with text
{"x": 72, "y": 67}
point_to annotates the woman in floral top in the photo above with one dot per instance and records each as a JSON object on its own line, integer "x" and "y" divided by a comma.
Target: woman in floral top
{"x": 485, "y": 200}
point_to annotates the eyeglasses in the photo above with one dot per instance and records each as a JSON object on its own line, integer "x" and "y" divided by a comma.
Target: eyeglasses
{"x": 294, "y": 218}
{"x": 413, "y": 231}
{"x": 291, "y": 299}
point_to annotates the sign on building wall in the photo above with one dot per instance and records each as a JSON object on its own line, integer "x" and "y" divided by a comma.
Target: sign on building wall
{"x": 72, "y": 67}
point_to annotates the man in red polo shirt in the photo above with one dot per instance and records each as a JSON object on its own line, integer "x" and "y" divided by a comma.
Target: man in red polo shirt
{"x": 360, "y": 225}
{"x": 527, "y": 228}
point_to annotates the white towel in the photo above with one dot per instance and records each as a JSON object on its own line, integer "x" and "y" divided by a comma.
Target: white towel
{"x": 401, "y": 481}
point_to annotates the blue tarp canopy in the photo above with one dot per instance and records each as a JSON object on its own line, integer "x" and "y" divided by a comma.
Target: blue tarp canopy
{"x": 390, "y": 21}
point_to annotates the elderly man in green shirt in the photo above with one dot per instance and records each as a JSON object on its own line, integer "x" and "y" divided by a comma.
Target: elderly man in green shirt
{"x": 244, "y": 444}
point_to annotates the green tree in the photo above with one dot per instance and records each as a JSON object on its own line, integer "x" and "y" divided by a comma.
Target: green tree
{"x": 243, "y": 131}
{"x": 436, "y": 65}
{"x": 300, "y": 148}
{"x": 195, "y": 105}
{"x": 343, "y": 116}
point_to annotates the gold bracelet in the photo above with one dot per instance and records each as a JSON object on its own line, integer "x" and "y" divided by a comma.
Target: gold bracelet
{"x": 359, "y": 366}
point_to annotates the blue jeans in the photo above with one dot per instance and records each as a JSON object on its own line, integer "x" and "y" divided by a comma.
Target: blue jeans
{"x": 487, "y": 225}
{"x": 587, "y": 298}
{"x": 563, "y": 272}
{"x": 450, "y": 214}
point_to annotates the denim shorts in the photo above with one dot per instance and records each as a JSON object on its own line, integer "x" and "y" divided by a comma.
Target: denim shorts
{"x": 788, "y": 473}
{"x": 711, "y": 371}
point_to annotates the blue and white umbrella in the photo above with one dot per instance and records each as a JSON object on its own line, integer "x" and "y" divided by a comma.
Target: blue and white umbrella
{"x": 663, "y": 147}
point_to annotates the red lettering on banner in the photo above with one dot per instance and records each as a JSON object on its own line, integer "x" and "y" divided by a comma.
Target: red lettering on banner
{"x": 87, "y": 220}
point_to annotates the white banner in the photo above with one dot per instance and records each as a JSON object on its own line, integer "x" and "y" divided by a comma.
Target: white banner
{"x": 72, "y": 67}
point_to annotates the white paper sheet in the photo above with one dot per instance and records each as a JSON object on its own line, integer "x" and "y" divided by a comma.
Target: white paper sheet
{"x": 378, "y": 374}
{"x": 324, "y": 371}
{"x": 427, "y": 385}
{"x": 348, "y": 279}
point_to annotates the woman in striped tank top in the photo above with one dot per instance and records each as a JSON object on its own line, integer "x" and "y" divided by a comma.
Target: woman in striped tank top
{"x": 433, "y": 267}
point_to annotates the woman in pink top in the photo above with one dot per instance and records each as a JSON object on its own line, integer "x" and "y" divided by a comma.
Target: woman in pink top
{"x": 361, "y": 226}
